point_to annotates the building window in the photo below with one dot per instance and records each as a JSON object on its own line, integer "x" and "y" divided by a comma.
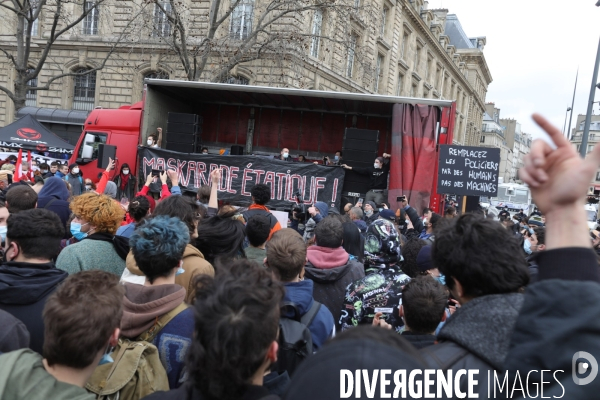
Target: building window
{"x": 383, "y": 20}
{"x": 84, "y": 90}
{"x": 162, "y": 25}
{"x": 241, "y": 20}
{"x": 237, "y": 80}
{"x": 428, "y": 68}
{"x": 316, "y": 32}
{"x": 351, "y": 51}
{"x": 590, "y": 147}
{"x": 379, "y": 72}
{"x": 403, "y": 46}
{"x": 482, "y": 140}
{"x": 400, "y": 83}
{"x": 31, "y": 95}
{"x": 157, "y": 75}
{"x": 356, "y": 4}
{"x": 417, "y": 58}
{"x": 90, "y": 22}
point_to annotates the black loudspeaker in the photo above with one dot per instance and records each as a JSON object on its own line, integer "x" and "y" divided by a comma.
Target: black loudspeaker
{"x": 237, "y": 150}
{"x": 183, "y": 118}
{"x": 359, "y": 150}
{"x": 106, "y": 151}
{"x": 183, "y": 132}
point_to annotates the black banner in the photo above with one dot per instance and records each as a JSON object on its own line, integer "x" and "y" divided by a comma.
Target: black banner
{"x": 468, "y": 171}
{"x": 241, "y": 173}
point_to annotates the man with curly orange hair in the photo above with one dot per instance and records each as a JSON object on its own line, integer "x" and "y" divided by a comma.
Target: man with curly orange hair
{"x": 97, "y": 218}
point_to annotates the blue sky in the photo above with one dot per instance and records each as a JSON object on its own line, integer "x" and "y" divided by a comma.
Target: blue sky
{"x": 533, "y": 50}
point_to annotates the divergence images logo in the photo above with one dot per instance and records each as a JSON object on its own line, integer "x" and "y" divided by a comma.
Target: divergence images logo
{"x": 28, "y": 133}
{"x": 582, "y": 367}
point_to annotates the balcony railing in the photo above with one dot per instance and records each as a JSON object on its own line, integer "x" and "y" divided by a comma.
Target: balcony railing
{"x": 492, "y": 130}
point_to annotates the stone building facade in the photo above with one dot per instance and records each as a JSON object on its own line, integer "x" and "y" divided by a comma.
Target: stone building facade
{"x": 492, "y": 135}
{"x": 519, "y": 142}
{"x": 593, "y": 139}
{"x": 397, "y": 47}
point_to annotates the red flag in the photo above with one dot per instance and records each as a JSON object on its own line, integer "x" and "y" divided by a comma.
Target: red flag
{"x": 30, "y": 169}
{"x": 18, "y": 171}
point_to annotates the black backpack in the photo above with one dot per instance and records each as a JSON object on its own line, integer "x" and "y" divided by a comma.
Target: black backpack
{"x": 295, "y": 339}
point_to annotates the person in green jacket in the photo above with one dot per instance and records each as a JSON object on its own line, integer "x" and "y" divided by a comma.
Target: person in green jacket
{"x": 97, "y": 218}
{"x": 82, "y": 320}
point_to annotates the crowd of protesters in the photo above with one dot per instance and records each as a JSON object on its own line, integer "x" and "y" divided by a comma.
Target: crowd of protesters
{"x": 165, "y": 296}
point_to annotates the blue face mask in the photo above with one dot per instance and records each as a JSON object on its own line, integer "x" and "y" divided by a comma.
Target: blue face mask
{"x": 76, "y": 231}
{"x": 179, "y": 271}
{"x": 530, "y": 231}
{"x": 336, "y": 158}
{"x": 3, "y": 230}
{"x": 527, "y": 246}
{"x": 441, "y": 279}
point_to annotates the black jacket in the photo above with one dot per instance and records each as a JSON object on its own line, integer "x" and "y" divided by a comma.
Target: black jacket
{"x": 477, "y": 336}
{"x": 189, "y": 392}
{"x": 414, "y": 218}
{"x": 379, "y": 176}
{"x": 24, "y": 289}
{"x": 559, "y": 318}
{"x": 418, "y": 340}
{"x": 330, "y": 285}
{"x": 129, "y": 190}
{"x": 13, "y": 333}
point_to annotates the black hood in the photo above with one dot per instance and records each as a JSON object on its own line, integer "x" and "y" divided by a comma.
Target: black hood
{"x": 26, "y": 283}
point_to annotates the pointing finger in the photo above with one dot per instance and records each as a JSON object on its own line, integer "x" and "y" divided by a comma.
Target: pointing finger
{"x": 552, "y": 131}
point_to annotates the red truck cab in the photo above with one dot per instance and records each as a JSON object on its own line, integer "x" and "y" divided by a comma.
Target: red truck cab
{"x": 118, "y": 127}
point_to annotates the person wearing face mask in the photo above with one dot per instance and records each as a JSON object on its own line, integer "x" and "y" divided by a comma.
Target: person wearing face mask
{"x": 284, "y": 155}
{"x": 379, "y": 178}
{"x": 45, "y": 170}
{"x": 54, "y": 196}
{"x": 28, "y": 275}
{"x": 534, "y": 242}
{"x": 125, "y": 183}
{"x": 337, "y": 159}
{"x": 97, "y": 218}
{"x": 155, "y": 139}
{"x": 75, "y": 180}
{"x": 428, "y": 233}
{"x": 370, "y": 212}
{"x": 204, "y": 151}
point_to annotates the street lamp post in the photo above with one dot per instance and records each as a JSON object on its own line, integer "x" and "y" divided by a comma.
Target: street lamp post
{"x": 588, "y": 116}
{"x": 565, "y": 126}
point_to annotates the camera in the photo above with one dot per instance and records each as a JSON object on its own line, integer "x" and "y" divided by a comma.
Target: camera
{"x": 300, "y": 208}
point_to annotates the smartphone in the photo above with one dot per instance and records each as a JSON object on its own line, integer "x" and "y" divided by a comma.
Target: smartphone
{"x": 360, "y": 200}
{"x": 401, "y": 198}
{"x": 157, "y": 172}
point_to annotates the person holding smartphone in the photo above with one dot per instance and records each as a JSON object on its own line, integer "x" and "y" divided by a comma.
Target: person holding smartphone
{"x": 379, "y": 178}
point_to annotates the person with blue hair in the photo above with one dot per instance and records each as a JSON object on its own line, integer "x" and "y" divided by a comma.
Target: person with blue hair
{"x": 158, "y": 245}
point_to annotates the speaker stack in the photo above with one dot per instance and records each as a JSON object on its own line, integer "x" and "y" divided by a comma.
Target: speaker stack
{"x": 359, "y": 150}
{"x": 184, "y": 132}
{"x": 237, "y": 150}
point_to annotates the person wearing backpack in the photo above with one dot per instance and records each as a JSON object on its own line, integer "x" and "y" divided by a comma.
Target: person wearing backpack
{"x": 235, "y": 341}
{"x": 286, "y": 256}
{"x": 155, "y": 312}
{"x": 81, "y": 321}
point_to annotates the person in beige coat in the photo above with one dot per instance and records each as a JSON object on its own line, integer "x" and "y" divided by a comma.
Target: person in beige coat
{"x": 194, "y": 263}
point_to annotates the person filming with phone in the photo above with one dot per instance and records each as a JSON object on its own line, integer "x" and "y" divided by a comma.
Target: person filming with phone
{"x": 379, "y": 178}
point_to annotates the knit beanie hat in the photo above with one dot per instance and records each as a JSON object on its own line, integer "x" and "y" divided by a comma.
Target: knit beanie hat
{"x": 424, "y": 259}
{"x": 388, "y": 214}
{"x": 382, "y": 244}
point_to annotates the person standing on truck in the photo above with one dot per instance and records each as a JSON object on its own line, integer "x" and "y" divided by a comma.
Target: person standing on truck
{"x": 379, "y": 178}
{"x": 261, "y": 194}
{"x": 284, "y": 155}
{"x": 155, "y": 139}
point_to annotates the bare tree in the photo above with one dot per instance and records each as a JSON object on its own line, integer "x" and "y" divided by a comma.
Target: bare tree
{"x": 208, "y": 46}
{"x": 29, "y": 55}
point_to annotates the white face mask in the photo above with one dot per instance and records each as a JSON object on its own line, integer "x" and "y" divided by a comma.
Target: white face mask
{"x": 150, "y": 142}
{"x": 125, "y": 172}
{"x": 285, "y": 155}
{"x": 75, "y": 170}
{"x": 376, "y": 165}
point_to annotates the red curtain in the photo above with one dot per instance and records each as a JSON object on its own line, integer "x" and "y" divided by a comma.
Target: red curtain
{"x": 413, "y": 154}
